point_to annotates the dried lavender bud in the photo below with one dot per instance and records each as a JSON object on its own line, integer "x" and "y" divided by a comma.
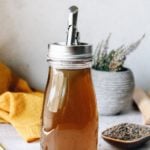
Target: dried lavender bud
{"x": 133, "y": 46}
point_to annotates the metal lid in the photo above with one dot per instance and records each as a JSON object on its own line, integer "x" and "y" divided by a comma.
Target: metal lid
{"x": 62, "y": 52}
{"x": 72, "y": 49}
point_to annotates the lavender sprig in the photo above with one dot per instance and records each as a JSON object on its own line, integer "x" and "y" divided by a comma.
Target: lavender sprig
{"x": 113, "y": 60}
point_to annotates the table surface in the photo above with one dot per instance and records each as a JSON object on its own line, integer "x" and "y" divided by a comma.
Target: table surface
{"x": 10, "y": 139}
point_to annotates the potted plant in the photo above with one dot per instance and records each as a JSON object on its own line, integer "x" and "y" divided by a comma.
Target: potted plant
{"x": 114, "y": 83}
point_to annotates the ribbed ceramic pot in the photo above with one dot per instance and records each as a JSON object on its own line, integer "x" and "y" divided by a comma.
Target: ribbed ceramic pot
{"x": 114, "y": 90}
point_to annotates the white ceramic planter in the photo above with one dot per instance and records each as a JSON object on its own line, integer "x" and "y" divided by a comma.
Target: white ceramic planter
{"x": 114, "y": 90}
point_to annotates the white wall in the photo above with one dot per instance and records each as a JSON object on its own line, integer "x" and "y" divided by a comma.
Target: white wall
{"x": 27, "y": 26}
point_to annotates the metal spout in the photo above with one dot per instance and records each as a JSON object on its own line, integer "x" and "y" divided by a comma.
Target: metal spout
{"x": 72, "y": 33}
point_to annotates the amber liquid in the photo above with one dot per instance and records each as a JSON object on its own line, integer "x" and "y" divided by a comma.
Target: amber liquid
{"x": 70, "y": 118}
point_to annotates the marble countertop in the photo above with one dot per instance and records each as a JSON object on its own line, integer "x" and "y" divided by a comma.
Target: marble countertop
{"x": 10, "y": 139}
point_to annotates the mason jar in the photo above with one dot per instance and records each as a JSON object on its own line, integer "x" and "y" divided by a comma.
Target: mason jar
{"x": 70, "y": 117}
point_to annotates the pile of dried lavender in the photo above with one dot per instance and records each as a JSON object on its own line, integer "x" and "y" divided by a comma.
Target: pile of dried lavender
{"x": 127, "y": 132}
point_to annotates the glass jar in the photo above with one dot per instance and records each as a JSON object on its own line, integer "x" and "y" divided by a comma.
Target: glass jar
{"x": 70, "y": 118}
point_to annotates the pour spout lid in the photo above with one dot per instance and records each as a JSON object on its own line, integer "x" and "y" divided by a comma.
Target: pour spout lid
{"x": 72, "y": 49}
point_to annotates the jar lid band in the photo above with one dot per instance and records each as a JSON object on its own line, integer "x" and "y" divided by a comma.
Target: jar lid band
{"x": 62, "y": 52}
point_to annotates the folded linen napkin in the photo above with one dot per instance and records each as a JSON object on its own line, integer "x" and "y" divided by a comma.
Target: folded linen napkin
{"x": 19, "y": 105}
{"x": 9, "y": 81}
{"x": 142, "y": 100}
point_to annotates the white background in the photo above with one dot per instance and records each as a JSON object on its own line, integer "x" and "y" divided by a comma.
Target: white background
{"x": 27, "y": 26}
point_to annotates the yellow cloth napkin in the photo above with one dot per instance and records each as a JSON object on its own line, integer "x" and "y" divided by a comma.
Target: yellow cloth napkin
{"x": 11, "y": 82}
{"x": 19, "y": 105}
